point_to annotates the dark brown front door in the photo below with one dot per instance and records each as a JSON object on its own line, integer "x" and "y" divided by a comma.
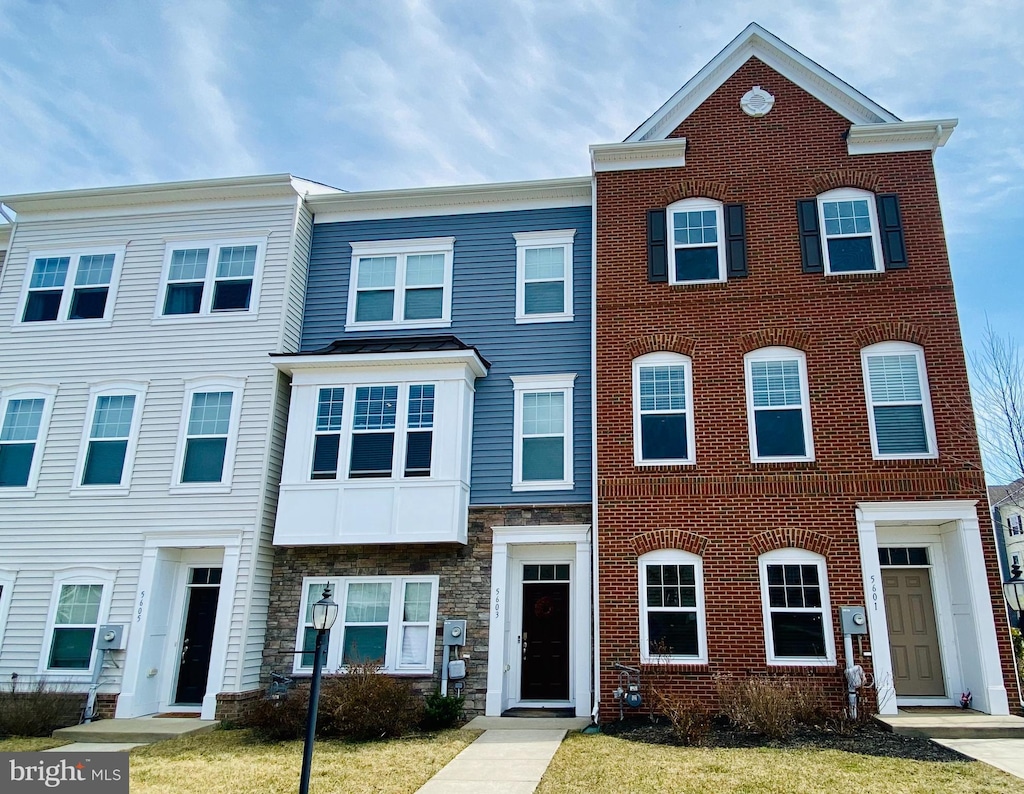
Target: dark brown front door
{"x": 913, "y": 635}
{"x": 201, "y": 598}
{"x": 545, "y": 641}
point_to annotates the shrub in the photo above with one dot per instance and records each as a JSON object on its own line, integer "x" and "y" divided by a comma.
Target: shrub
{"x": 281, "y": 719}
{"x": 690, "y": 718}
{"x": 363, "y": 705}
{"x": 442, "y": 711}
{"x": 38, "y": 710}
{"x": 773, "y": 707}
{"x": 1018, "y": 650}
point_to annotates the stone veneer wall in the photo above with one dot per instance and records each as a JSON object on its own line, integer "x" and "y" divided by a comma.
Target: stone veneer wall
{"x": 464, "y": 587}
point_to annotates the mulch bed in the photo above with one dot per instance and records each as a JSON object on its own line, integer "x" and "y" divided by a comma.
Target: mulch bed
{"x": 866, "y": 739}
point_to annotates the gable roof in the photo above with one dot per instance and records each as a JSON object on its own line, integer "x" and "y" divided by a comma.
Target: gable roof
{"x": 757, "y": 42}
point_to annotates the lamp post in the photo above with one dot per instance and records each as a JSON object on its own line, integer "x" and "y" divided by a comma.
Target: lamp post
{"x": 325, "y": 612}
{"x": 1013, "y": 592}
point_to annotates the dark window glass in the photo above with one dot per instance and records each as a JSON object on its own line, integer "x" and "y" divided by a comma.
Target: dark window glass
{"x": 423, "y": 304}
{"x": 798, "y": 634}
{"x": 899, "y": 556}
{"x": 900, "y": 430}
{"x": 325, "y": 456}
{"x": 72, "y": 648}
{"x": 544, "y": 297}
{"x": 309, "y": 645}
{"x": 184, "y": 298}
{"x": 672, "y": 633}
{"x": 883, "y": 557}
{"x": 42, "y": 306}
{"x": 417, "y": 454}
{"x": 375, "y": 306}
{"x": 664, "y": 436}
{"x": 15, "y": 464}
{"x": 543, "y": 459}
{"x": 697, "y": 264}
{"x": 531, "y": 573}
{"x": 232, "y": 296}
{"x": 780, "y": 433}
{"x": 88, "y": 304}
{"x": 372, "y": 454}
{"x": 364, "y": 644}
{"x": 850, "y": 254}
{"x": 104, "y": 462}
{"x": 917, "y": 556}
{"x": 204, "y": 460}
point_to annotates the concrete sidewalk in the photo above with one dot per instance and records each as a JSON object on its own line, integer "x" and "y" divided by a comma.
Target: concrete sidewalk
{"x": 1004, "y": 754}
{"x": 510, "y": 757}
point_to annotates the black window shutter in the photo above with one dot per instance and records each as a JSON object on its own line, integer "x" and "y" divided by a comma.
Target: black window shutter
{"x": 736, "y": 240}
{"x": 810, "y": 240}
{"x": 891, "y": 231}
{"x": 657, "y": 246}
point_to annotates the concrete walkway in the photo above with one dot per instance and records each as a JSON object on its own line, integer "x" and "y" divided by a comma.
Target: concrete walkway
{"x": 1005, "y": 754}
{"x": 107, "y": 736}
{"x": 510, "y": 757}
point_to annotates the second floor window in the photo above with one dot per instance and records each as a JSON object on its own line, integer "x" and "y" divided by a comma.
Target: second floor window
{"x": 109, "y": 441}
{"x": 899, "y": 406}
{"x": 73, "y": 286}
{"x": 209, "y": 432}
{"x": 24, "y": 416}
{"x": 542, "y": 452}
{"x": 662, "y": 412}
{"x": 778, "y": 409}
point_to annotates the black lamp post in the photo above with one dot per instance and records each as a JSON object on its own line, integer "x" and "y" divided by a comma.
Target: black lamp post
{"x": 1013, "y": 592}
{"x": 325, "y": 612}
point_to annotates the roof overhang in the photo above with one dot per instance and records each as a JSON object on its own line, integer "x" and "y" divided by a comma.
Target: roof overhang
{"x": 669, "y": 153}
{"x": 900, "y": 136}
{"x": 469, "y": 358}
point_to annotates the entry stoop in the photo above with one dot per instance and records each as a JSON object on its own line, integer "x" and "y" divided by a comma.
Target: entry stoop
{"x": 952, "y": 724}
{"x": 139, "y": 730}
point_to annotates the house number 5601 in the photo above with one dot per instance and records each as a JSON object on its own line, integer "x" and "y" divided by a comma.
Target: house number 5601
{"x": 874, "y": 593}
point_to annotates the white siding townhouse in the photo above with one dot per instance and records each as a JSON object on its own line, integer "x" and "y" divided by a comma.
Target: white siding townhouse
{"x": 141, "y": 421}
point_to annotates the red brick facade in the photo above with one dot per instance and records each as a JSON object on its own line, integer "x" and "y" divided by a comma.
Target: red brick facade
{"x": 725, "y": 507}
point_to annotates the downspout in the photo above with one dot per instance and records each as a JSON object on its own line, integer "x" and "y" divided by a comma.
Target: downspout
{"x": 593, "y": 448}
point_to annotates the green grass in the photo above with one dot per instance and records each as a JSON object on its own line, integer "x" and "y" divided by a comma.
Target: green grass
{"x": 587, "y": 764}
{"x": 27, "y": 744}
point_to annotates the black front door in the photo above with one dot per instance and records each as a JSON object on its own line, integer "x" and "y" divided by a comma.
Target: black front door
{"x": 545, "y": 641}
{"x": 200, "y": 616}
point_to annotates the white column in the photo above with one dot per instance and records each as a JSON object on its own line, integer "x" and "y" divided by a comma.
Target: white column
{"x": 878, "y": 626}
{"x": 496, "y": 637}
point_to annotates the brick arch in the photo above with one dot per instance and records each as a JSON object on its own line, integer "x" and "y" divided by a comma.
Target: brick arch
{"x": 695, "y": 188}
{"x": 890, "y": 332}
{"x": 775, "y": 337}
{"x": 658, "y": 343}
{"x": 660, "y": 539}
{"x": 790, "y": 538}
{"x": 846, "y": 177}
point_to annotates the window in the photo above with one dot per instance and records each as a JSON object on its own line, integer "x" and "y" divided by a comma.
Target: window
{"x": 662, "y": 410}
{"x": 672, "y": 626}
{"x": 696, "y": 241}
{"x": 849, "y": 231}
{"x": 72, "y": 286}
{"x": 1015, "y": 525}
{"x": 78, "y": 606}
{"x": 388, "y": 620}
{"x": 24, "y": 419}
{"x": 544, "y": 276}
{"x": 401, "y": 283}
{"x": 327, "y": 441}
{"x": 209, "y": 432}
{"x": 542, "y": 456}
{"x": 111, "y": 433}
{"x": 203, "y": 278}
{"x": 778, "y": 409}
{"x": 797, "y": 615}
{"x": 899, "y": 407}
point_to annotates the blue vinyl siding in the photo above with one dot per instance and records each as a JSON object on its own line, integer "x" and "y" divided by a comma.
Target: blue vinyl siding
{"x": 483, "y": 315}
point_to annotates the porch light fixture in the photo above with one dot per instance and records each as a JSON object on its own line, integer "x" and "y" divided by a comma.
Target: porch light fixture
{"x": 1013, "y": 592}
{"x": 325, "y": 612}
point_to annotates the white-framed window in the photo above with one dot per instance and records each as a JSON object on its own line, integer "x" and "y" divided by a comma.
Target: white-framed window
{"x": 110, "y": 435}
{"x": 672, "y": 622}
{"x": 71, "y": 286}
{"x": 542, "y": 455}
{"x": 79, "y": 604}
{"x": 401, "y": 284}
{"x": 24, "y": 420}
{"x": 211, "y": 277}
{"x": 778, "y": 406}
{"x": 696, "y": 228}
{"x": 1015, "y": 525}
{"x": 663, "y": 427}
{"x": 208, "y": 433}
{"x": 850, "y": 242}
{"x": 796, "y": 609}
{"x": 544, "y": 276}
{"x": 388, "y": 620}
{"x": 373, "y": 431}
{"x": 899, "y": 404}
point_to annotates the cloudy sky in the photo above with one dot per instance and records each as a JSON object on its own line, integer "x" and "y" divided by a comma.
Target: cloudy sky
{"x": 365, "y": 94}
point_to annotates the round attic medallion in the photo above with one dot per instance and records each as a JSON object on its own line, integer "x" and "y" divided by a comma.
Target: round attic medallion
{"x": 757, "y": 102}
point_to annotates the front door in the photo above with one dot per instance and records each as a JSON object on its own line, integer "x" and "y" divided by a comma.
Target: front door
{"x": 913, "y": 635}
{"x": 545, "y": 636}
{"x": 201, "y": 595}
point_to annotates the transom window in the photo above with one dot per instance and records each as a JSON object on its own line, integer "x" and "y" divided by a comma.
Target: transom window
{"x": 404, "y": 283}
{"x": 778, "y": 409}
{"x": 109, "y": 441}
{"x": 662, "y": 413}
{"x": 72, "y": 286}
{"x": 211, "y": 278}
{"x": 24, "y": 416}
{"x": 544, "y": 276}
{"x": 899, "y": 406}
{"x": 903, "y": 555}
{"x": 797, "y": 616}
{"x": 849, "y": 229}
{"x": 696, "y": 238}
{"x": 672, "y": 626}
{"x": 542, "y": 454}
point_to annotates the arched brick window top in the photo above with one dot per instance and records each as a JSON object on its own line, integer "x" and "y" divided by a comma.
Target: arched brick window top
{"x": 846, "y": 177}
{"x": 775, "y": 337}
{"x": 891, "y": 332}
{"x": 669, "y": 539}
{"x": 695, "y": 188}
{"x": 790, "y": 538}
{"x": 658, "y": 343}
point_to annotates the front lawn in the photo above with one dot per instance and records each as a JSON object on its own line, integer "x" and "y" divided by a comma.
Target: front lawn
{"x": 27, "y": 744}
{"x": 585, "y": 764}
{"x": 228, "y": 762}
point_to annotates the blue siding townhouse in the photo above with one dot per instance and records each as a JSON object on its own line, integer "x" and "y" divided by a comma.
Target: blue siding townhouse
{"x": 437, "y": 462}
